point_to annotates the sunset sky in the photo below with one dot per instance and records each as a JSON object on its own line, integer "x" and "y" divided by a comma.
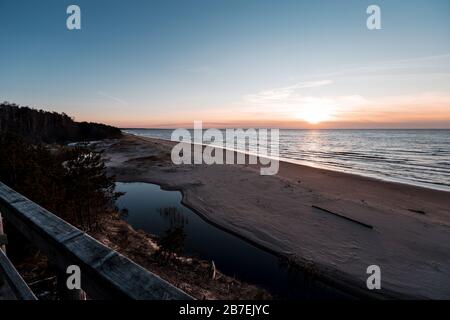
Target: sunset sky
{"x": 291, "y": 64}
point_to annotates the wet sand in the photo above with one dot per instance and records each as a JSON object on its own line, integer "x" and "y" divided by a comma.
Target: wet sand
{"x": 332, "y": 224}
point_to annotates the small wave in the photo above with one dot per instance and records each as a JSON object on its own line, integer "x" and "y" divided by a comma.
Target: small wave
{"x": 418, "y": 157}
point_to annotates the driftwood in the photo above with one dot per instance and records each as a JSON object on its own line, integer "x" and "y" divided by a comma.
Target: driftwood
{"x": 417, "y": 211}
{"x": 343, "y": 217}
{"x": 52, "y": 278}
{"x": 3, "y": 238}
{"x": 213, "y": 266}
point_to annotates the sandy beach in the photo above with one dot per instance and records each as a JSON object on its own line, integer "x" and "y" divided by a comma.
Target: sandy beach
{"x": 334, "y": 224}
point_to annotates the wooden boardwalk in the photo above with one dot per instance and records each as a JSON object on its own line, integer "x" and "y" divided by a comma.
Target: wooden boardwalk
{"x": 105, "y": 274}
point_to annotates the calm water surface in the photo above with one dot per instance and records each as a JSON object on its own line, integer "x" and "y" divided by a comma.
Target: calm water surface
{"x": 155, "y": 211}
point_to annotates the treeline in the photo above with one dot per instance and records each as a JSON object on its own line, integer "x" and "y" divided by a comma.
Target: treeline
{"x": 71, "y": 182}
{"x": 38, "y": 126}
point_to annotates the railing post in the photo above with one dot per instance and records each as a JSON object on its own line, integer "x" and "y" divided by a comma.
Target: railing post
{"x": 63, "y": 292}
{"x": 3, "y": 238}
{"x": 2, "y": 247}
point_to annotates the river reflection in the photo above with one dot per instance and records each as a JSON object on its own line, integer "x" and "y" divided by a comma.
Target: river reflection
{"x": 158, "y": 212}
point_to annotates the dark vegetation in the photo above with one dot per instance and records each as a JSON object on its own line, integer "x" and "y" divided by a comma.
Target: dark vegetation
{"x": 38, "y": 126}
{"x": 172, "y": 242}
{"x": 71, "y": 182}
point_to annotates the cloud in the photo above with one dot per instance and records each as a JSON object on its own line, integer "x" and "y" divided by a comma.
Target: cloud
{"x": 424, "y": 63}
{"x": 291, "y": 103}
{"x": 113, "y": 98}
{"x": 283, "y": 93}
{"x": 200, "y": 69}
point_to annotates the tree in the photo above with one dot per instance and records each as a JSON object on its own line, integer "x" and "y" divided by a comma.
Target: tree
{"x": 91, "y": 193}
{"x": 70, "y": 182}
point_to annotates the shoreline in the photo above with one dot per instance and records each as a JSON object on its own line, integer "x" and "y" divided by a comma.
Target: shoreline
{"x": 127, "y": 163}
{"x": 354, "y": 293}
{"x": 424, "y": 185}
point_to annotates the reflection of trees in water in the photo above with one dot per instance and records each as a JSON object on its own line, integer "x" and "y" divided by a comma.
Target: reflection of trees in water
{"x": 174, "y": 216}
{"x": 124, "y": 213}
{"x": 173, "y": 239}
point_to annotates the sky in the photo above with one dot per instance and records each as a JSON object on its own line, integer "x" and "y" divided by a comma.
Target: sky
{"x": 231, "y": 63}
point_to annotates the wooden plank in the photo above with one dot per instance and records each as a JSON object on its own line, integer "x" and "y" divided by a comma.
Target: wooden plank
{"x": 15, "y": 281}
{"x": 105, "y": 274}
{"x": 3, "y": 238}
{"x": 6, "y": 292}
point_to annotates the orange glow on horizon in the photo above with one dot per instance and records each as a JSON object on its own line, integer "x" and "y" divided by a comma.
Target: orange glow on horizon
{"x": 424, "y": 111}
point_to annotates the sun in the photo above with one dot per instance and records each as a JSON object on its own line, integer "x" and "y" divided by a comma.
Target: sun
{"x": 313, "y": 114}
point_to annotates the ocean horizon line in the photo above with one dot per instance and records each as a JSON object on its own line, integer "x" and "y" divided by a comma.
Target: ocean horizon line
{"x": 304, "y": 129}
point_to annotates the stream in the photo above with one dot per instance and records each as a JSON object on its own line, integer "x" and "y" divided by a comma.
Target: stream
{"x": 156, "y": 211}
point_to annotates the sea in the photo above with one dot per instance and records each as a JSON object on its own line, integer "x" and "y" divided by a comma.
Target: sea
{"x": 411, "y": 156}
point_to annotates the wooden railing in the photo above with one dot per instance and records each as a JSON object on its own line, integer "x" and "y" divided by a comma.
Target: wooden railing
{"x": 105, "y": 274}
